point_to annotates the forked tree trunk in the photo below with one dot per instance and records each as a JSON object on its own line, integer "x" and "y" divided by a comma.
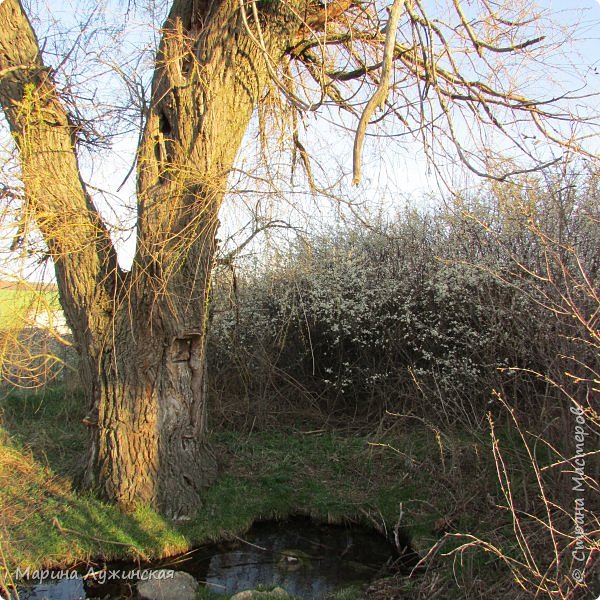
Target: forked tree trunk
{"x": 141, "y": 335}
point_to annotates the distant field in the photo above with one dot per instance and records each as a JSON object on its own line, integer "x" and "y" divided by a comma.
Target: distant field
{"x": 20, "y": 304}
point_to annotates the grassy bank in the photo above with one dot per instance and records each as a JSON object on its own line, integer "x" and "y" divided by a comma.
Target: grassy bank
{"x": 407, "y": 476}
{"x": 427, "y": 482}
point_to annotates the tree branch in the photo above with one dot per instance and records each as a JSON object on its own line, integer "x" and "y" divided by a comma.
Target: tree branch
{"x": 330, "y": 12}
{"x": 380, "y": 94}
{"x": 55, "y": 196}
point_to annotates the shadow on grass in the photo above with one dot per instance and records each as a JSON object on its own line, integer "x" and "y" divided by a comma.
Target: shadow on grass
{"x": 43, "y": 521}
{"x": 269, "y": 474}
{"x": 48, "y": 424}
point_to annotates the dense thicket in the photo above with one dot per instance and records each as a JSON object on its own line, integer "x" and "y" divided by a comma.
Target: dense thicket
{"x": 428, "y": 314}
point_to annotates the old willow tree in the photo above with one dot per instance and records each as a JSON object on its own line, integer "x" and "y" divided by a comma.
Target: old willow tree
{"x": 451, "y": 81}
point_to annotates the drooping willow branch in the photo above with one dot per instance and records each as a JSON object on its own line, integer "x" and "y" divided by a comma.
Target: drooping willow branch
{"x": 380, "y": 95}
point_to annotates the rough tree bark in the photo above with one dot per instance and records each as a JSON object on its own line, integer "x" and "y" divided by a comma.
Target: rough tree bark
{"x": 141, "y": 334}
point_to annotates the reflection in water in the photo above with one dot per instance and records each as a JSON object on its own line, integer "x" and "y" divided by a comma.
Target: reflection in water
{"x": 71, "y": 589}
{"x": 308, "y": 560}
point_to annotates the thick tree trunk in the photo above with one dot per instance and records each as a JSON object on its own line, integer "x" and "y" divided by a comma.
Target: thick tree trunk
{"x": 55, "y": 198}
{"x": 142, "y": 335}
{"x": 148, "y": 442}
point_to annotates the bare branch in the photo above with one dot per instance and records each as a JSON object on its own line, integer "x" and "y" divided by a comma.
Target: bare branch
{"x": 380, "y": 95}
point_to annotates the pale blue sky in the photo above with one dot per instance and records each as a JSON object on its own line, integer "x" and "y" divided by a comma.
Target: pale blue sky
{"x": 389, "y": 169}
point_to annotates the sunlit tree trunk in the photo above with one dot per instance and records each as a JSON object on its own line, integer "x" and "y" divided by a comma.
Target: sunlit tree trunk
{"x": 141, "y": 334}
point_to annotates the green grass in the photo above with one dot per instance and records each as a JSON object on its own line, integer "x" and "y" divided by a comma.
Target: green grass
{"x": 267, "y": 474}
{"x": 349, "y": 593}
{"x": 43, "y": 521}
{"x": 264, "y": 475}
{"x": 206, "y": 593}
{"x": 48, "y": 425}
{"x": 17, "y": 304}
{"x": 273, "y": 474}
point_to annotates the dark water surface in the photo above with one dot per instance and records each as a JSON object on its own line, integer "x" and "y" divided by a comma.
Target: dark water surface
{"x": 307, "y": 559}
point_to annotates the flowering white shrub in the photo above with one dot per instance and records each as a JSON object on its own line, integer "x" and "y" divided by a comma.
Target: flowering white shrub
{"x": 369, "y": 320}
{"x": 428, "y": 312}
